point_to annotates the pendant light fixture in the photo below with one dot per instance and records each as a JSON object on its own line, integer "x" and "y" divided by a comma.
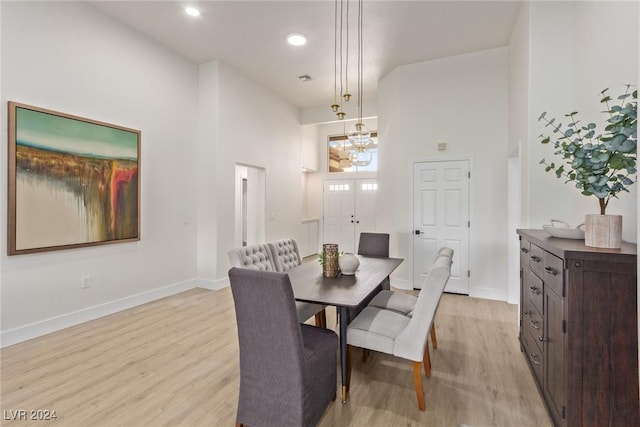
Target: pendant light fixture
{"x": 359, "y": 134}
{"x": 341, "y": 57}
{"x": 337, "y": 61}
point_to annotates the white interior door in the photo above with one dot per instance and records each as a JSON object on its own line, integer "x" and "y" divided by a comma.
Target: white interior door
{"x": 349, "y": 209}
{"x": 339, "y": 213}
{"x": 441, "y": 218}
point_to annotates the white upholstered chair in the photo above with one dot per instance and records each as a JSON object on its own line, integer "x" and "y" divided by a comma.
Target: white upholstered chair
{"x": 404, "y": 303}
{"x": 391, "y": 332}
{"x": 253, "y": 257}
{"x": 285, "y": 256}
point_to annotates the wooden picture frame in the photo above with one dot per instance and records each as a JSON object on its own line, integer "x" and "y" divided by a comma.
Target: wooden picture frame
{"x": 73, "y": 181}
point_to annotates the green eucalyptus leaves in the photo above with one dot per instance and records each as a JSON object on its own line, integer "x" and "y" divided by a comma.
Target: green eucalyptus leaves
{"x": 604, "y": 164}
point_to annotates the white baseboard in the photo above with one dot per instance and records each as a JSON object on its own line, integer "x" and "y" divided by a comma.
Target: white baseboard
{"x": 212, "y": 285}
{"x": 43, "y": 327}
{"x": 488, "y": 293}
{"x": 403, "y": 284}
{"x": 485, "y": 293}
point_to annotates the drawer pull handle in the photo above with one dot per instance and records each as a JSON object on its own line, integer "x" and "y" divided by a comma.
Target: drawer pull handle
{"x": 536, "y": 258}
{"x": 534, "y": 323}
{"x": 533, "y": 356}
{"x": 525, "y": 250}
{"x": 535, "y": 290}
{"x": 551, "y": 271}
{"x": 543, "y": 339}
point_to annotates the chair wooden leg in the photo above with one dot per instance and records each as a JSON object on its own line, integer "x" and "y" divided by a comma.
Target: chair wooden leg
{"x": 321, "y": 319}
{"x": 365, "y": 355}
{"x": 417, "y": 378}
{"x": 426, "y": 359}
{"x": 433, "y": 336}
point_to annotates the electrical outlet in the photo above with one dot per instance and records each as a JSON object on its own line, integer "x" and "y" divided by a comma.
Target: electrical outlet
{"x": 86, "y": 282}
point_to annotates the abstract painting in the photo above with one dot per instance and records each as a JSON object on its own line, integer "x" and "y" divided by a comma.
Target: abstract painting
{"x": 73, "y": 181}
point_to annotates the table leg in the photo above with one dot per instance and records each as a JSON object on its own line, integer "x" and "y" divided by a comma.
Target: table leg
{"x": 343, "y": 351}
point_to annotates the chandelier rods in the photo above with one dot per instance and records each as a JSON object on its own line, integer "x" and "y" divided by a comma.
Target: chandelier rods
{"x": 335, "y": 55}
{"x": 360, "y": 61}
{"x": 341, "y": 58}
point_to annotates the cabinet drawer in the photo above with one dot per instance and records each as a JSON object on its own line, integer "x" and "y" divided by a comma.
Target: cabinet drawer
{"x": 554, "y": 273}
{"x": 535, "y": 292}
{"x": 535, "y": 359}
{"x": 525, "y": 250}
{"x": 534, "y": 328}
{"x": 536, "y": 260}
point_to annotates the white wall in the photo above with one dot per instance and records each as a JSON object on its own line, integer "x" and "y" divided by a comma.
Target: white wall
{"x": 309, "y": 148}
{"x": 254, "y": 128}
{"x": 462, "y": 101}
{"x": 206, "y": 169}
{"x": 517, "y": 145}
{"x": 577, "y": 49}
{"x": 68, "y": 57}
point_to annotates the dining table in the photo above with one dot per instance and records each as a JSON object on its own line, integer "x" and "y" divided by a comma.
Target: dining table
{"x": 343, "y": 292}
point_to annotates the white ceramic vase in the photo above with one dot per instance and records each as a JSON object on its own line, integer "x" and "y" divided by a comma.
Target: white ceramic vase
{"x": 603, "y": 231}
{"x": 348, "y": 263}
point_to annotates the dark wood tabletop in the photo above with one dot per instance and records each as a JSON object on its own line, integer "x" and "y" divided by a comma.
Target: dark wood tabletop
{"x": 310, "y": 285}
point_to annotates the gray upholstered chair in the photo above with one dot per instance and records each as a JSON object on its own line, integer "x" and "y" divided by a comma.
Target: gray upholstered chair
{"x": 375, "y": 245}
{"x": 260, "y": 257}
{"x": 404, "y": 303}
{"x": 372, "y": 245}
{"x": 390, "y": 332}
{"x": 287, "y": 369}
{"x": 285, "y": 255}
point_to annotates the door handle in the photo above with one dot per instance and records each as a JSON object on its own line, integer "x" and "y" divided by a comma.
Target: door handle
{"x": 416, "y": 232}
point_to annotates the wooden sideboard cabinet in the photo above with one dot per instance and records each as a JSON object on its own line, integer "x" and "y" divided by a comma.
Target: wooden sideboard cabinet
{"x": 579, "y": 329}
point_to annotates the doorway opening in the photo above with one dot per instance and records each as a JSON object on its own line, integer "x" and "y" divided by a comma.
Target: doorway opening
{"x": 250, "y": 205}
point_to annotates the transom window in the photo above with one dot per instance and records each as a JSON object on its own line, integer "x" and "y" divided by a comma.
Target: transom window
{"x": 338, "y": 187}
{"x": 344, "y": 156}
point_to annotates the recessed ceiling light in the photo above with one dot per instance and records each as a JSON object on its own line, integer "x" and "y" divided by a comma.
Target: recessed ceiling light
{"x": 305, "y": 78}
{"x": 296, "y": 39}
{"x": 192, "y": 11}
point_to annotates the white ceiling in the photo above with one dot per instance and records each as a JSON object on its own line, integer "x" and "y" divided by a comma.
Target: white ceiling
{"x": 250, "y": 36}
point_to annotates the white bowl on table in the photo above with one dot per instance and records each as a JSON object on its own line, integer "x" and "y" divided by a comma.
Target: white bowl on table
{"x": 563, "y": 230}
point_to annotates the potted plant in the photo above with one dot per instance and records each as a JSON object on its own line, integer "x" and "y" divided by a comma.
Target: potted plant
{"x": 600, "y": 164}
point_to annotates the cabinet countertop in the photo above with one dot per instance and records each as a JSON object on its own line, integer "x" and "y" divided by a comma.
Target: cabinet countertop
{"x": 576, "y": 249}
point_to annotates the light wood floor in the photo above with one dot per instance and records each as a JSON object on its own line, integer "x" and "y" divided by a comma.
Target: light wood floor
{"x": 174, "y": 362}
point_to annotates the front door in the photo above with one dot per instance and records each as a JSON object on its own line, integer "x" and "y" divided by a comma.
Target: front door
{"x": 441, "y": 218}
{"x": 349, "y": 209}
